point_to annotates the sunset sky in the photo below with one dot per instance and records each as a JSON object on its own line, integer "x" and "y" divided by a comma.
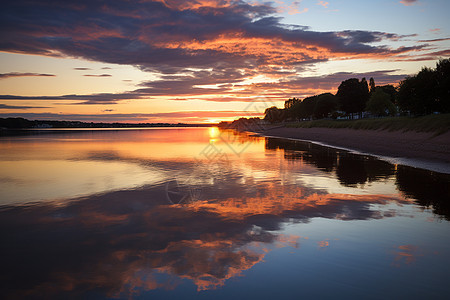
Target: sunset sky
{"x": 201, "y": 61}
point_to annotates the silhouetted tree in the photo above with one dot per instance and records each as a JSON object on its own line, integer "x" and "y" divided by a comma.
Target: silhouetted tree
{"x": 371, "y": 85}
{"x": 325, "y": 105}
{"x": 16, "y": 123}
{"x": 380, "y": 103}
{"x": 426, "y": 92}
{"x": 288, "y": 104}
{"x": 443, "y": 85}
{"x": 273, "y": 114}
{"x": 353, "y": 95}
{"x": 417, "y": 94}
{"x": 307, "y": 107}
{"x": 390, "y": 89}
{"x": 291, "y": 106}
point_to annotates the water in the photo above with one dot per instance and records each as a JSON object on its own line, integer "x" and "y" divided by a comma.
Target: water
{"x": 198, "y": 213}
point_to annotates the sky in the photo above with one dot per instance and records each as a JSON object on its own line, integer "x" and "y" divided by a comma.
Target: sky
{"x": 203, "y": 61}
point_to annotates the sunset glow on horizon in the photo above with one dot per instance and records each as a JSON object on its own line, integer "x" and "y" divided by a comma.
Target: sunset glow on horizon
{"x": 203, "y": 61}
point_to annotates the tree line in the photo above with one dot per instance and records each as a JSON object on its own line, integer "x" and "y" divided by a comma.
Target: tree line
{"x": 424, "y": 93}
{"x": 21, "y": 123}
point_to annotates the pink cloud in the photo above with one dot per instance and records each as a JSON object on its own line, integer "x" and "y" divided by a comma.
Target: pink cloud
{"x": 409, "y": 2}
{"x": 323, "y": 3}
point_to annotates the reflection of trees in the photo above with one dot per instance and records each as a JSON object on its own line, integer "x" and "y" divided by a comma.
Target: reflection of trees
{"x": 358, "y": 169}
{"x": 323, "y": 158}
{"x": 351, "y": 169}
{"x": 430, "y": 189}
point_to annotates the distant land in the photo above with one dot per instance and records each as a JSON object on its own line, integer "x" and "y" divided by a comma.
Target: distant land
{"x": 21, "y": 123}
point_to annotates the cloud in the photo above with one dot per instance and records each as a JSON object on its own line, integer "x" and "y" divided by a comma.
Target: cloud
{"x": 197, "y": 85}
{"x": 170, "y": 117}
{"x": 425, "y": 56}
{"x": 207, "y": 48}
{"x": 99, "y": 75}
{"x": 434, "y": 40}
{"x": 323, "y": 3}
{"x": 291, "y": 9}
{"x": 173, "y": 35}
{"x": 18, "y": 74}
{"x": 5, "y": 106}
{"x": 102, "y": 98}
{"x": 409, "y": 2}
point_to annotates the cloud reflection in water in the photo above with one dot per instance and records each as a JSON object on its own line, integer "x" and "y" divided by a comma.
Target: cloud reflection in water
{"x": 123, "y": 243}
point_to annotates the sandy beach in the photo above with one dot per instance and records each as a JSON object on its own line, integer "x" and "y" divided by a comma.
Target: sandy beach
{"x": 423, "y": 150}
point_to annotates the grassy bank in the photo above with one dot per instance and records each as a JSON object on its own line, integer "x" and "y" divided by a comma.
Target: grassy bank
{"x": 432, "y": 123}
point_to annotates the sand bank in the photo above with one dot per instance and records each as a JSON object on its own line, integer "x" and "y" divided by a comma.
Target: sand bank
{"x": 422, "y": 150}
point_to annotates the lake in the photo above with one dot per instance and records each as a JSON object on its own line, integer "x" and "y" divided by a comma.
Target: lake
{"x": 203, "y": 213}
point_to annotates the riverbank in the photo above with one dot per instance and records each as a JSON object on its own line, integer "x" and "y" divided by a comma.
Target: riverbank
{"x": 417, "y": 149}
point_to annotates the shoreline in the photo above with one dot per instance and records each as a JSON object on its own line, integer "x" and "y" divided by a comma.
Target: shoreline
{"x": 415, "y": 149}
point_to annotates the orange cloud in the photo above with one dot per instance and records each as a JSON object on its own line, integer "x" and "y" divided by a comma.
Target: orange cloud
{"x": 279, "y": 201}
{"x": 406, "y": 254}
{"x": 409, "y": 2}
{"x": 323, "y": 3}
{"x": 323, "y": 244}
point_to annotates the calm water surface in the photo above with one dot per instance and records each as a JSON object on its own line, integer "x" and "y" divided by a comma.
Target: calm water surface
{"x": 199, "y": 213}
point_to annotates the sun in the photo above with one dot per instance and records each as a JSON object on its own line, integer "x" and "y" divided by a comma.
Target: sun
{"x": 213, "y": 132}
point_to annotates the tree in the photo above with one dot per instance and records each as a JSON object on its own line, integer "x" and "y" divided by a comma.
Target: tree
{"x": 371, "y": 85}
{"x": 307, "y": 107}
{"x": 353, "y": 95}
{"x": 426, "y": 92}
{"x": 380, "y": 103}
{"x": 325, "y": 105}
{"x": 417, "y": 94}
{"x": 391, "y": 91}
{"x": 290, "y": 107}
{"x": 288, "y": 104}
{"x": 273, "y": 114}
{"x": 443, "y": 85}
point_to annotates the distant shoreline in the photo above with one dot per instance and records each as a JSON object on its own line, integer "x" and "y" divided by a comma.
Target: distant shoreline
{"x": 417, "y": 149}
{"x": 21, "y": 123}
